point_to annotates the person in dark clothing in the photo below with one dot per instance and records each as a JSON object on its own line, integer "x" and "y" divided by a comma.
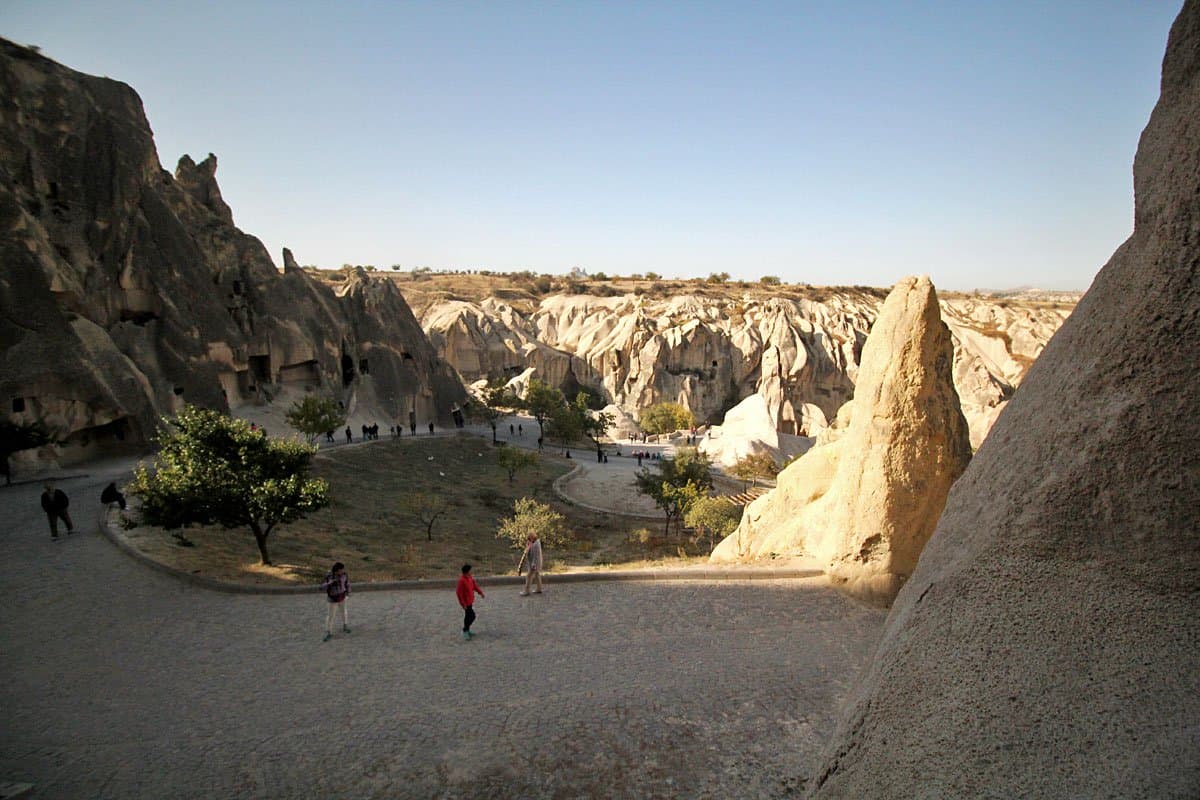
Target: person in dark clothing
{"x": 349, "y": 435}
{"x": 112, "y": 495}
{"x": 55, "y": 503}
{"x": 329, "y": 436}
{"x": 431, "y": 429}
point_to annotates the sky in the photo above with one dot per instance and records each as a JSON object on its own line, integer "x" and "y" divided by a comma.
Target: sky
{"x": 986, "y": 144}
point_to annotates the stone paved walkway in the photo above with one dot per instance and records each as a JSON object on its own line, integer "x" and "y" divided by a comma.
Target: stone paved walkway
{"x": 119, "y": 682}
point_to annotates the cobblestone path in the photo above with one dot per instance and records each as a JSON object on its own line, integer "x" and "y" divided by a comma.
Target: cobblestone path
{"x": 119, "y": 682}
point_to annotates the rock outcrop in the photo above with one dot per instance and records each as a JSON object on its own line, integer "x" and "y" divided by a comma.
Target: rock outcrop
{"x": 749, "y": 430}
{"x": 709, "y": 353}
{"x": 126, "y": 291}
{"x": 1048, "y": 643}
{"x": 866, "y": 503}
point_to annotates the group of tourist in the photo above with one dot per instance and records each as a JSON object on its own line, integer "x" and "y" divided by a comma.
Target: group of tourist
{"x": 337, "y": 588}
{"x": 56, "y": 504}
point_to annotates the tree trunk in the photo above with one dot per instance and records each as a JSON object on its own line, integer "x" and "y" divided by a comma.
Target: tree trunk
{"x": 260, "y": 538}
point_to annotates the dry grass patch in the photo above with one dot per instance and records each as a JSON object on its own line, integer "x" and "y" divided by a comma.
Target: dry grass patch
{"x": 368, "y": 527}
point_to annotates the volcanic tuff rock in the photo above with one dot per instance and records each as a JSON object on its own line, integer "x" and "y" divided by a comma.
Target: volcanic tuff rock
{"x": 1048, "y": 644}
{"x": 866, "y": 504}
{"x": 709, "y": 353}
{"x": 126, "y": 291}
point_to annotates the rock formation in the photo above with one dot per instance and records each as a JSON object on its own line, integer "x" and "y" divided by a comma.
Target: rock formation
{"x": 1048, "y": 644}
{"x": 866, "y": 503}
{"x": 126, "y": 291}
{"x": 749, "y": 430}
{"x": 711, "y": 352}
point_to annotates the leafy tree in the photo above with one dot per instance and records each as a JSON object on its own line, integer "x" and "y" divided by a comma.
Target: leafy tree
{"x": 213, "y": 469}
{"x": 530, "y": 516}
{"x": 718, "y": 277}
{"x": 716, "y": 516}
{"x": 490, "y": 409}
{"x": 653, "y": 276}
{"x": 565, "y": 425}
{"x": 675, "y": 483}
{"x": 313, "y": 416}
{"x": 426, "y": 507}
{"x": 769, "y": 280}
{"x": 600, "y": 276}
{"x": 753, "y": 467}
{"x": 15, "y": 437}
{"x": 665, "y": 418}
{"x": 515, "y": 459}
{"x": 541, "y": 401}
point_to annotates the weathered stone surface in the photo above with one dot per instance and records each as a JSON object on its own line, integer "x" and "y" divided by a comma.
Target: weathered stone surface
{"x": 749, "y": 429}
{"x": 710, "y": 353}
{"x": 866, "y": 503}
{"x": 1048, "y": 644}
{"x": 125, "y": 292}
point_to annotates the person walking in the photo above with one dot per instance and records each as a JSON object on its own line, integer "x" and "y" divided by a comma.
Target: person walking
{"x": 532, "y": 559}
{"x": 337, "y": 589}
{"x": 349, "y": 435}
{"x": 466, "y": 591}
{"x": 55, "y": 503}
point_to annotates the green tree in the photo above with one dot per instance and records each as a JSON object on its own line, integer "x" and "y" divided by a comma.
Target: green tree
{"x": 675, "y": 483}
{"x": 541, "y": 401}
{"x": 716, "y": 516}
{"x": 530, "y": 516}
{"x": 15, "y": 437}
{"x": 515, "y": 459}
{"x": 490, "y": 408}
{"x": 426, "y": 507}
{"x": 313, "y": 416}
{"x": 665, "y": 418}
{"x": 653, "y": 276}
{"x": 769, "y": 280}
{"x": 753, "y": 467}
{"x": 213, "y": 469}
{"x": 718, "y": 277}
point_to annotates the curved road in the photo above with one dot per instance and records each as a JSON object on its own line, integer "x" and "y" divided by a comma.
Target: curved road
{"x": 120, "y": 682}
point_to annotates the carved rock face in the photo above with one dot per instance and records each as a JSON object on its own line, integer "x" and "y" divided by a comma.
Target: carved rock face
{"x": 1048, "y": 644}
{"x": 126, "y": 292}
{"x": 865, "y": 504}
{"x": 709, "y": 354}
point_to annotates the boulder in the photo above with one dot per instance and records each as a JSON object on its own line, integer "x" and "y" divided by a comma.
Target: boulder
{"x": 1048, "y": 644}
{"x": 865, "y": 504}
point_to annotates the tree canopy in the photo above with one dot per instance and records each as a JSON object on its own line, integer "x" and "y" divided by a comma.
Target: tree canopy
{"x": 313, "y": 416}
{"x": 716, "y": 516}
{"x": 665, "y": 418}
{"x": 213, "y": 469}
{"x": 753, "y": 467}
{"x": 674, "y": 484}
{"x": 515, "y": 459}
{"x": 541, "y": 401}
{"x": 530, "y": 516}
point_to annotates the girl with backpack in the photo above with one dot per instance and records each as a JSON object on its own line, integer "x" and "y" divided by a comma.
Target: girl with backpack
{"x": 337, "y": 588}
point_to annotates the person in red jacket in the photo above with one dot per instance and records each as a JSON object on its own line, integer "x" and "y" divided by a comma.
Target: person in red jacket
{"x": 466, "y": 591}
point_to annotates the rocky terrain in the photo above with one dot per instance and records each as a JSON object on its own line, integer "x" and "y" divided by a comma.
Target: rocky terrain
{"x": 1047, "y": 644}
{"x": 709, "y": 347}
{"x": 864, "y": 501}
{"x": 126, "y": 291}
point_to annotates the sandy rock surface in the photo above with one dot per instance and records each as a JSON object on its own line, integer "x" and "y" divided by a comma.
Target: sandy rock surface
{"x": 1048, "y": 643}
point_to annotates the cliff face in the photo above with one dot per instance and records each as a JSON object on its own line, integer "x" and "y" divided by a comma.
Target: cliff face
{"x": 1048, "y": 644}
{"x": 126, "y": 291}
{"x": 709, "y": 353}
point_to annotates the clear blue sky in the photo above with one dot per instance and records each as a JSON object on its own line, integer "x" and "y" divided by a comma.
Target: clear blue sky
{"x": 987, "y": 144}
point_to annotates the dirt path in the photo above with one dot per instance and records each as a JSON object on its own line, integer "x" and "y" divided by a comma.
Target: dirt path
{"x": 123, "y": 683}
